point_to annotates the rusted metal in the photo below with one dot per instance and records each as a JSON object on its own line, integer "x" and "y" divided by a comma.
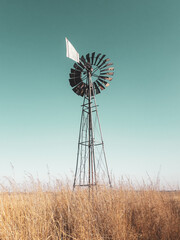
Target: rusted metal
{"x": 97, "y": 91}
{"x": 107, "y": 69}
{"x": 100, "y": 85}
{"x": 73, "y": 82}
{"x": 105, "y": 78}
{"x": 108, "y": 73}
{"x": 104, "y": 82}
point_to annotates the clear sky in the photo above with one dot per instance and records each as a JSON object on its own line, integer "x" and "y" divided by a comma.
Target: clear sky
{"x": 139, "y": 112}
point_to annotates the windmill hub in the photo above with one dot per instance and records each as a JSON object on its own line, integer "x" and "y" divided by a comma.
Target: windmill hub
{"x": 99, "y": 68}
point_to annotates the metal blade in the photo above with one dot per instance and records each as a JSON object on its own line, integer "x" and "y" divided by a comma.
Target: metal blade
{"x": 108, "y": 73}
{"x": 96, "y": 88}
{"x": 107, "y": 59}
{"x": 108, "y": 64}
{"x": 82, "y": 89}
{"x": 105, "y": 78}
{"x": 75, "y": 75}
{"x": 81, "y": 65}
{"x": 76, "y": 66}
{"x": 76, "y": 78}
{"x": 100, "y": 60}
{"x": 104, "y": 82}
{"x": 82, "y": 92}
{"x": 97, "y": 58}
{"x": 100, "y": 85}
{"x": 88, "y": 58}
{"x": 107, "y": 69}
{"x": 83, "y": 59}
{"x": 92, "y": 58}
{"x": 73, "y": 82}
{"x": 102, "y": 73}
{"x": 75, "y": 70}
{"x": 78, "y": 88}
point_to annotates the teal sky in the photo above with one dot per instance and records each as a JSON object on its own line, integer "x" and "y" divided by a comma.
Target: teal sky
{"x": 139, "y": 112}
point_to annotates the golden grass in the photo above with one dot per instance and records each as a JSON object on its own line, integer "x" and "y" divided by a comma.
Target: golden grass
{"x": 110, "y": 214}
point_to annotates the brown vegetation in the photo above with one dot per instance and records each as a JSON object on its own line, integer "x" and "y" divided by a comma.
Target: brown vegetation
{"x": 109, "y": 214}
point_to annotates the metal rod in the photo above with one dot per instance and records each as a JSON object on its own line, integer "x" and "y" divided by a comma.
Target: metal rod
{"x": 103, "y": 144}
{"x": 92, "y": 137}
{"x": 89, "y": 101}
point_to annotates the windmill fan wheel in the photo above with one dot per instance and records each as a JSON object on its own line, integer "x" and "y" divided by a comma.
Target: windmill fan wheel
{"x": 101, "y": 74}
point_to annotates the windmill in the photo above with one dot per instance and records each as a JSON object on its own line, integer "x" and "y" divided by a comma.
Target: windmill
{"x": 89, "y": 76}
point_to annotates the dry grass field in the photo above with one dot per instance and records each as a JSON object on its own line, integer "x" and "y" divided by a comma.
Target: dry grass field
{"x": 120, "y": 213}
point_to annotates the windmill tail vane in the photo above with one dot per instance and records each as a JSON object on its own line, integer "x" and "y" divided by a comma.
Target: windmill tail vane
{"x": 89, "y": 76}
{"x": 71, "y": 51}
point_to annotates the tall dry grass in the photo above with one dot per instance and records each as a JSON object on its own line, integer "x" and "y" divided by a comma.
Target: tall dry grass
{"x": 109, "y": 214}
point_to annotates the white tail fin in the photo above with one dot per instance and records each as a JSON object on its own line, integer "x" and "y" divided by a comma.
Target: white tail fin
{"x": 71, "y": 51}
